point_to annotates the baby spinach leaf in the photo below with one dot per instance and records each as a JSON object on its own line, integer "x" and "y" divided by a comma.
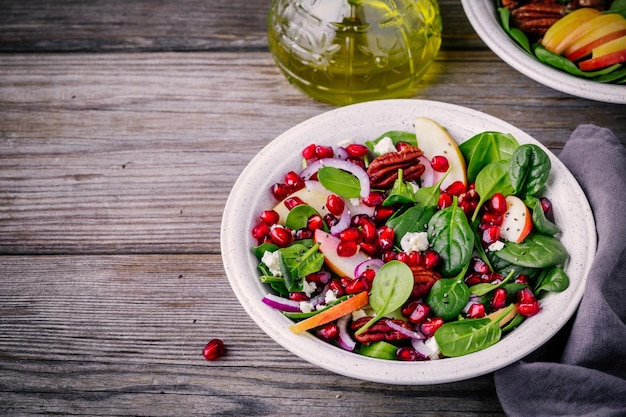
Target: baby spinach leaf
{"x": 485, "y": 288}
{"x": 298, "y": 216}
{"x": 277, "y": 283}
{"x": 379, "y": 350}
{"x": 512, "y": 325}
{"x": 619, "y": 7}
{"x": 414, "y": 219}
{"x": 395, "y": 136}
{"x": 297, "y": 261}
{"x": 536, "y": 251}
{"x": 391, "y": 288}
{"x": 448, "y": 297}
{"x": 450, "y": 234}
{"x": 429, "y": 196}
{"x": 485, "y": 148}
{"x": 494, "y": 178}
{"x": 519, "y": 36}
{"x": 540, "y": 221}
{"x": 529, "y": 169}
{"x": 400, "y": 193}
{"x": 458, "y": 338}
{"x": 339, "y": 182}
{"x": 553, "y": 280}
{"x": 503, "y": 267}
{"x": 562, "y": 63}
{"x": 260, "y": 250}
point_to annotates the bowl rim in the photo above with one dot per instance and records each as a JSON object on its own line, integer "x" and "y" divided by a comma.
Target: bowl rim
{"x": 240, "y": 264}
{"x": 483, "y": 18}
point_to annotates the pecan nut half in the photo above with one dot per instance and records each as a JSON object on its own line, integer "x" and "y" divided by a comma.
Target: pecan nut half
{"x": 383, "y": 170}
{"x": 423, "y": 281}
{"x": 379, "y": 331}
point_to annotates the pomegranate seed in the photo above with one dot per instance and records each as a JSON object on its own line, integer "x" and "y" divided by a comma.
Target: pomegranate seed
{"x": 368, "y": 274}
{"x": 522, "y": 279}
{"x": 213, "y": 350}
{"x": 371, "y": 248}
{"x": 320, "y": 277}
{"x": 324, "y": 152}
{"x": 415, "y": 258}
{"x": 358, "y": 285}
{"x": 374, "y": 199}
{"x": 309, "y": 151}
{"x": 400, "y": 146}
{"x": 293, "y": 180}
{"x": 546, "y": 206}
{"x": 473, "y": 279}
{"x": 478, "y": 265}
{"x": 491, "y": 277}
{"x": 315, "y": 222}
{"x": 525, "y": 295}
{"x": 431, "y": 259}
{"x": 456, "y": 188}
{"x": 440, "y": 163}
{"x": 327, "y": 332}
{"x": 350, "y": 234}
{"x": 385, "y": 238}
{"x": 491, "y": 235}
{"x": 280, "y": 191}
{"x": 430, "y": 326}
{"x": 468, "y": 207}
{"x": 336, "y": 287}
{"x": 330, "y": 220}
{"x": 498, "y": 300}
{"x": 445, "y": 200}
{"x": 356, "y": 150}
{"x": 298, "y": 296}
{"x": 529, "y": 309}
{"x": 357, "y": 161}
{"x": 403, "y": 257}
{"x": 498, "y": 203}
{"x": 302, "y": 234}
{"x": 367, "y": 226}
{"x": 475, "y": 311}
{"x": 335, "y": 204}
{"x": 281, "y": 236}
{"x": 389, "y": 255}
{"x": 407, "y": 353}
{"x": 269, "y": 217}
{"x": 492, "y": 218}
{"x": 347, "y": 249}
{"x": 291, "y": 202}
{"x": 416, "y": 312}
{"x": 382, "y": 214}
{"x": 260, "y": 230}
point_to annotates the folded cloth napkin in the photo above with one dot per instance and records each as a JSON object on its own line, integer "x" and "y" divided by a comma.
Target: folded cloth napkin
{"x": 582, "y": 371}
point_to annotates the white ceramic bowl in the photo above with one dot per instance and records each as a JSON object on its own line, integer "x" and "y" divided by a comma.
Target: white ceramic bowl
{"x": 483, "y": 17}
{"x": 360, "y": 122}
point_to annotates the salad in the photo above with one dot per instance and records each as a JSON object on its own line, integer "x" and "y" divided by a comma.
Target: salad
{"x": 585, "y": 41}
{"x": 409, "y": 246}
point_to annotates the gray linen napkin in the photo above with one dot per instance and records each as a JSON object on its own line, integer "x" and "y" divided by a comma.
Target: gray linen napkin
{"x": 582, "y": 371}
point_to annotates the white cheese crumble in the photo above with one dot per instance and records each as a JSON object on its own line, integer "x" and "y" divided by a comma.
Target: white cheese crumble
{"x": 432, "y": 348}
{"x": 495, "y": 246}
{"x": 272, "y": 261}
{"x": 306, "y": 307}
{"x": 414, "y": 241}
{"x": 385, "y": 145}
{"x": 308, "y": 287}
{"x": 357, "y": 314}
{"x": 330, "y": 296}
{"x": 355, "y": 202}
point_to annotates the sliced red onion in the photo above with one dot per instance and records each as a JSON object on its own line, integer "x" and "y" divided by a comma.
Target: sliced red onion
{"x": 281, "y": 303}
{"x": 374, "y": 264}
{"x": 428, "y": 177}
{"x": 347, "y": 166}
{"x": 341, "y": 153}
{"x": 321, "y": 297}
{"x": 344, "y": 340}
{"x": 404, "y": 331}
{"x": 343, "y": 223}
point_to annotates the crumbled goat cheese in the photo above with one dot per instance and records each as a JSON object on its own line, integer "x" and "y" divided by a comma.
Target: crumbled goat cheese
{"x": 495, "y": 246}
{"x": 414, "y": 241}
{"x": 432, "y": 348}
{"x": 330, "y": 296}
{"x": 355, "y": 202}
{"x": 306, "y": 307}
{"x": 385, "y": 146}
{"x": 357, "y": 314}
{"x": 308, "y": 287}
{"x": 272, "y": 261}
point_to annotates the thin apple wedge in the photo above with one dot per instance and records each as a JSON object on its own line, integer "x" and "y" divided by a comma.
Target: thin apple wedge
{"x": 610, "y": 53}
{"x": 517, "y": 221}
{"x": 560, "y": 30}
{"x": 606, "y": 28}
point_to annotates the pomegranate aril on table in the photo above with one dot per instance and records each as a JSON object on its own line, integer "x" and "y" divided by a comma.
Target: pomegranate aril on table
{"x": 333, "y": 249}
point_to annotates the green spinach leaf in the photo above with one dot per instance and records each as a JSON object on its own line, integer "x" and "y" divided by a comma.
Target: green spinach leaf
{"x": 494, "y": 178}
{"x": 562, "y": 63}
{"x": 450, "y": 234}
{"x": 391, "y": 288}
{"x": 552, "y": 280}
{"x": 414, "y": 219}
{"x": 297, "y": 261}
{"x": 400, "y": 193}
{"x": 529, "y": 169}
{"x": 519, "y": 36}
{"x": 619, "y": 7}
{"x": 540, "y": 221}
{"x": 298, "y": 216}
{"x": 485, "y": 148}
{"x": 448, "y": 297}
{"x": 485, "y": 288}
{"x": 536, "y": 251}
{"x": 339, "y": 182}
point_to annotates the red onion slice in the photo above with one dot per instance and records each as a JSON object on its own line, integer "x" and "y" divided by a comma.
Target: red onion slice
{"x": 428, "y": 177}
{"x": 374, "y": 264}
{"x": 281, "y": 303}
{"x": 404, "y": 331}
{"x": 344, "y": 340}
{"x": 347, "y": 166}
{"x": 343, "y": 223}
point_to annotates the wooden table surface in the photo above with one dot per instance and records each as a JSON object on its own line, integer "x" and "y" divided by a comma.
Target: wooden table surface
{"x": 123, "y": 127}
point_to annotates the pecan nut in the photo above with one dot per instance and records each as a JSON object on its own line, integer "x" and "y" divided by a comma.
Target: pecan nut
{"x": 383, "y": 170}
{"x": 379, "y": 331}
{"x": 536, "y": 18}
{"x": 423, "y": 280}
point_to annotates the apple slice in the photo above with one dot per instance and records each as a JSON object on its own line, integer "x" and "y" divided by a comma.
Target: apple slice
{"x": 563, "y": 27}
{"x": 517, "y": 221}
{"x": 583, "y": 28}
{"x": 341, "y": 265}
{"x": 315, "y": 195}
{"x": 610, "y": 53}
{"x": 606, "y": 28}
{"x": 434, "y": 140}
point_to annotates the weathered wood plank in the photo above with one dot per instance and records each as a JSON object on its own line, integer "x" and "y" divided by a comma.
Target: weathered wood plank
{"x": 123, "y": 335}
{"x": 148, "y": 25}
